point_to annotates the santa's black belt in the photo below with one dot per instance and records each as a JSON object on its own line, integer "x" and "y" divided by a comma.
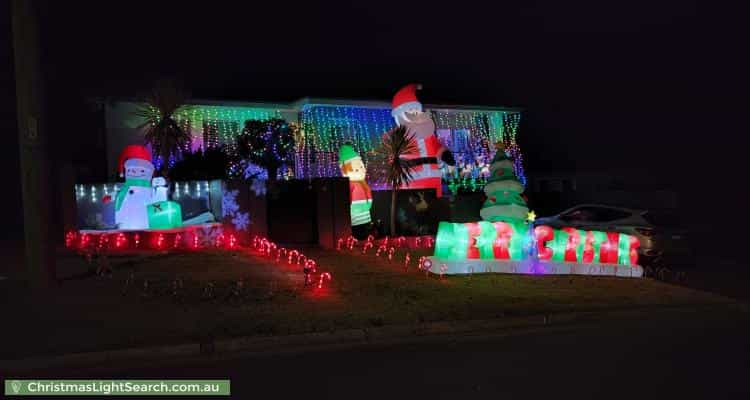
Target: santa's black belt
{"x": 413, "y": 162}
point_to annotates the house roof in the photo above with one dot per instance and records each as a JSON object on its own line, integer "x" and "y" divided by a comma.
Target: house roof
{"x": 387, "y": 104}
{"x": 315, "y": 101}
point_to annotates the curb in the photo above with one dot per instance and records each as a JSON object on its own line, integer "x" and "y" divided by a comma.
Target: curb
{"x": 349, "y": 337}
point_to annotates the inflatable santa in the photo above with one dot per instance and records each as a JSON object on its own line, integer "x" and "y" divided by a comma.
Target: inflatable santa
{"x": 141, "y": 202}
{"x": 408, "y": 112}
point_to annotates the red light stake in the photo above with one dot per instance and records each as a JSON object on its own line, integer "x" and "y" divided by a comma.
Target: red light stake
{"x": 323, "y": 276}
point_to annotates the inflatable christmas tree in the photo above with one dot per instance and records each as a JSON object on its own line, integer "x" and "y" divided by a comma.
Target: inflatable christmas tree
{"x": 503, "y": 189}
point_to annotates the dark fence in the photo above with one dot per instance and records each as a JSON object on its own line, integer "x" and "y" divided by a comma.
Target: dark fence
{"x": 297, "y": 212}
{"x": 418, "y": 212}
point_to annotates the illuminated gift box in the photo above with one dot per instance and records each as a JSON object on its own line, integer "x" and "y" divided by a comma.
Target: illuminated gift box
{"x": 164, "y": 215}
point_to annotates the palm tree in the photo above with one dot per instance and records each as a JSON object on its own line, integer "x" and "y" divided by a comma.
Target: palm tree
{"x": 166, "y": 137}
{"x": 397, "y": 143}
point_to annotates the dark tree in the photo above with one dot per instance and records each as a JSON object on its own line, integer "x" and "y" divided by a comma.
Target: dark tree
{"x": 269, "y": 144}
{"x": 201, "y": 165}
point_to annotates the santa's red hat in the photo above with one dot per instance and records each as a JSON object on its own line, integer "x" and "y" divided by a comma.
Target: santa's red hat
{"x": 134, "y": 154}
{"x": 406, "y": 99}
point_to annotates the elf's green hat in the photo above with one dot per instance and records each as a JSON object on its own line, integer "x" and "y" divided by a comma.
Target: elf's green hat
{"x": 346, "y": 153}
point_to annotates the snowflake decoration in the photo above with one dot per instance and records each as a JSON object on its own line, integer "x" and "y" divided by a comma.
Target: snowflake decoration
{"x": 231, "y": 209}
{"x": 229, "y": 204}
{"x": 241, "y": 221}
{"x": 207, "y": 235}
{"x": 258, "y": 187}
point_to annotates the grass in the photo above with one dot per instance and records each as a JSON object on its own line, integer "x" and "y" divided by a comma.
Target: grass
{"x": 90, "y": 313}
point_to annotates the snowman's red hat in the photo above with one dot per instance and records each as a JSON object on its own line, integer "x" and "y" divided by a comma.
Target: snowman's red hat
{"x": 134, "y": 154}
{"x": 406, "y": 99}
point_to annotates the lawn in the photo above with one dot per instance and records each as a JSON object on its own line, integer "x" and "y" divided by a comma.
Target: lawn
{"x": 191, "y": 296}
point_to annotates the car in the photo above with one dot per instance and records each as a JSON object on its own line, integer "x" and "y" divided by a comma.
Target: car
{"x": 659, "y": 233}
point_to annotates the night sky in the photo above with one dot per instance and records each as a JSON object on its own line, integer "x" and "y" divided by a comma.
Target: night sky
{"x": 605, "y": 87}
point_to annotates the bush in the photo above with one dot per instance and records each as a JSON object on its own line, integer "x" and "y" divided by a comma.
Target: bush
{"x": 201, "y": 165}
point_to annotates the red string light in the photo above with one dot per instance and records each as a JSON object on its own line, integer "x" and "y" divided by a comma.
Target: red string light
{"x": 70, "y": 238}
{"x": 157, "y": 240}
{"x": 103, "y": 241}
{"x": 380, "y": 249}
{"x": 312, "y": 265}
{"x": 368, "y": 245}
{"x": 121, "y": 241}
{"x": 293, "y": 255}
{"x": 81, "y": 241}
{"x": 323, "y": 276}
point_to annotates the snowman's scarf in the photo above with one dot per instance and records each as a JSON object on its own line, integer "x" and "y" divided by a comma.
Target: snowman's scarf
{"x": 126, "y": 187}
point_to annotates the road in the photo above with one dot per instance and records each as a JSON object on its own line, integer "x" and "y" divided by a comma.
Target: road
{"x": 679, "y": 355}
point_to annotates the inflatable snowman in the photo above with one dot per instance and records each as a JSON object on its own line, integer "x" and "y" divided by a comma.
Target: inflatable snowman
{"x": 408, "y": 112}
{"x": 141, "y": 202}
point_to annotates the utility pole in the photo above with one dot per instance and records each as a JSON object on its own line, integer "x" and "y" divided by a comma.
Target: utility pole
{"x": 33, "y": 143}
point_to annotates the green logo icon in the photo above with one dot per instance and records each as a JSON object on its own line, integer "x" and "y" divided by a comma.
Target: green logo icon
{"x": 16, "y": 386}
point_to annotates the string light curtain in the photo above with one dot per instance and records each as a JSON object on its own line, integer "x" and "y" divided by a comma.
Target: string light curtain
{"x": 222, "y": 124}
{"x": 219, "y": 126}
{"x": 325, "y": 127}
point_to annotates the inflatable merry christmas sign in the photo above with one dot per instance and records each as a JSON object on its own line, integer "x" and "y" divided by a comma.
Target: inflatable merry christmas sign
{"x": 507, "y": 240}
